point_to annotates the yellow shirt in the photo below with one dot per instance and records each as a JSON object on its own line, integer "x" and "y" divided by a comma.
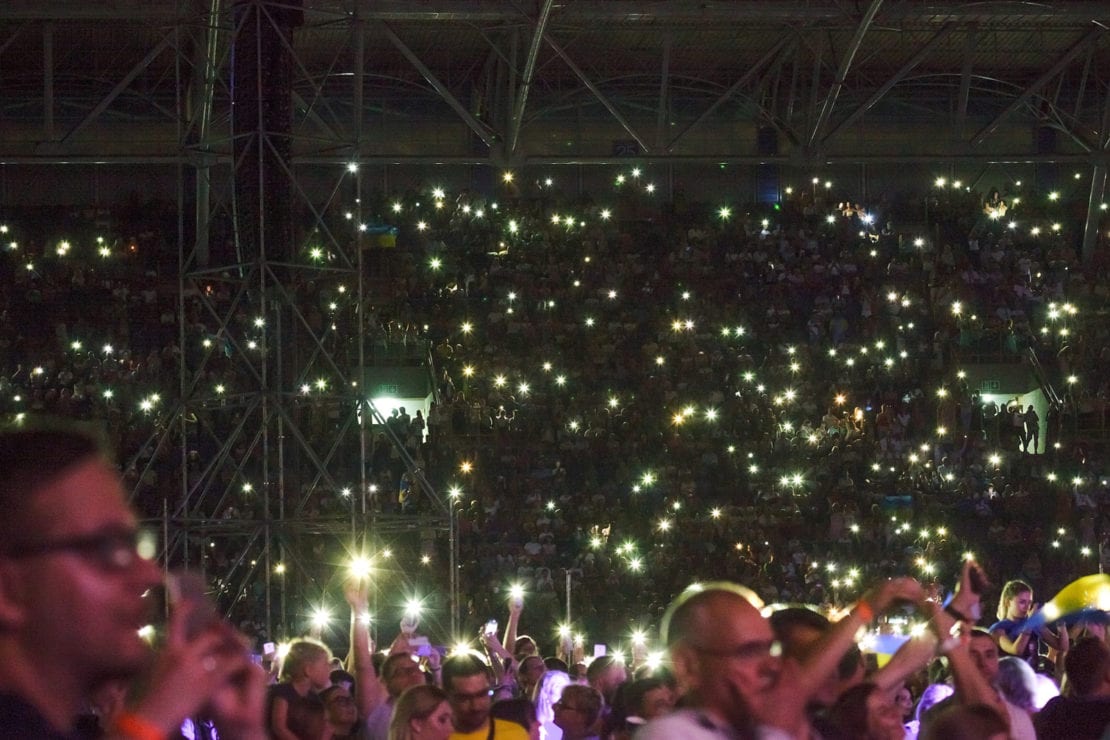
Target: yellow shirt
{"x": 502, "y": 730}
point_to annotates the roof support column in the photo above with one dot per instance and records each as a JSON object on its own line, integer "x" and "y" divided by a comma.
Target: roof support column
{"x": 664, "y": 87}
{"x": 1080, "y": 46}
{"x": 526, "y": 83}
{"x": 842, "y": 73}
{"x": 480, "y": 129}
{"x": 598, "y": 94}
{"x": 48, "y": 81}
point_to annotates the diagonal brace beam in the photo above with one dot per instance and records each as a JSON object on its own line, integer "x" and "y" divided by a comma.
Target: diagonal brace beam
{"x": 529, "y": 72}
{"x": 121, "y": 85}
{"x": 842, "y": 72}
{"x": 484, "y": 132}
{"x": 922, "y": 53}
{"x": 597, "y": 94}
{"x": 744, "y": 80}
{"x": 1080, "y": 47}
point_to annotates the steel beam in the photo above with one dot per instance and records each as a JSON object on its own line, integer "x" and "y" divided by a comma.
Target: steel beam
{"x": 359, "y": 80}
{"x": 598, "y": 94}
{"x": 1092, "y": 36}
{"x": 1104, "y": 126}
{"x": 122, "y": 85}
{"x": 970, "y": 44}
{"x": 401, "y": 160}
{"x": 647, "y": 12}
{"x": 842, "y": 72}
{"x": 922, "y": 53}
{"x": 1094, "y": 214}
{"x": 517, "y": 118}
{"x": 484, "y": 132}
{"x": 48, "y": 81}
{"x": 13, "y": 36}
{"x": 664, "y": 84}
{"x": 744, "y": 80}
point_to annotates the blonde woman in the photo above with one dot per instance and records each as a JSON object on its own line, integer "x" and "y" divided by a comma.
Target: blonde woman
{"x": 1012, "y": 630}
{"x": 421, "y": 713}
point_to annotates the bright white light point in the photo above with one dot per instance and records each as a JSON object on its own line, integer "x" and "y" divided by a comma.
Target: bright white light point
{"x": 606, "y": 214}
{"x": 724, "y": 212}
{"x": 352, "y": 167}
{"x": 614, "y": 402}
{"x": 421, "y": 225}
{"x": 612, "y": 294}
{"x": 711, "y": 414}
{"x": 438, "y": 193}
{"x": 435, "y": 263}
{"x": 513, "y": 227}
{"x": 523, "y": 389}
{"x": 636, "y": 172}
{"x": 561, "y": 380}
{"x": 506, "y": 177}
{"x": 396, "y": 207}
{"x": 499, "y": 381}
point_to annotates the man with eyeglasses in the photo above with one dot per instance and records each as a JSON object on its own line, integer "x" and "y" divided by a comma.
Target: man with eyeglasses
{"x": 467, "y": 681}
{"x": 75, "y": 580}
{"x": 729, "y": 666}
{"x": 578, "y": 711}
{"x": 400, "y": 671}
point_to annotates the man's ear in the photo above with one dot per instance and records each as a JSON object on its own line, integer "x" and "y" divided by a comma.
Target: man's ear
{"x": 686, "y": 664}
{"x": 12, "y": 612}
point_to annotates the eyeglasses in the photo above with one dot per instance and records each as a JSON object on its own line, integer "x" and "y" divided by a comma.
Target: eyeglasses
{"x": 745, "y": 650}
{"x": 111, "y": 551}
{"x": 345, "y": 700}
{"x": 476, "y": 696}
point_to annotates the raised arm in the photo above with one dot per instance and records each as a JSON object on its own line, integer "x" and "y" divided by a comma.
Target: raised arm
{"x": 971, "y": 686}
{"x": 370, "y": 692}
{"x": 516, "y": 606}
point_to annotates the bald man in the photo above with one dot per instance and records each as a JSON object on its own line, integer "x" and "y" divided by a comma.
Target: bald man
{"x": 729, "y": 668}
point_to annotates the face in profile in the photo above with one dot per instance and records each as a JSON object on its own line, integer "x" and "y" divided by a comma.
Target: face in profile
{"x": 84, "y": 605}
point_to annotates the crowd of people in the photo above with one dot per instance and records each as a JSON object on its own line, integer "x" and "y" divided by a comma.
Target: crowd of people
{"x": 632, "y": 396}
{"x": 79, "y": 657}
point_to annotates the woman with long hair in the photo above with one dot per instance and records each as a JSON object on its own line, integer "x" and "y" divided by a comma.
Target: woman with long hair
{"x": 421, "y": 713}
{"x": 547, "y": 692}
{"x": 1013, "y": 632}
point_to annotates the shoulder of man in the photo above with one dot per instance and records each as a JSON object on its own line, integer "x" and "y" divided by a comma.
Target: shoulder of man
{"x": 684, "y": 723}
{"x": 505, "y": 730}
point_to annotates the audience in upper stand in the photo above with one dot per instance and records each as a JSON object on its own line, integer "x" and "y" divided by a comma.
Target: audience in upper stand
{"x": 788, "y": 399}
